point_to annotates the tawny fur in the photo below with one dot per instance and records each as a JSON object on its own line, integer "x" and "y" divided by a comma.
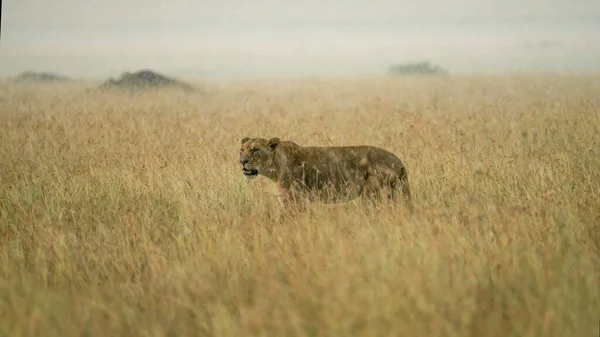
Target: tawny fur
{"x": 329, "y": 174}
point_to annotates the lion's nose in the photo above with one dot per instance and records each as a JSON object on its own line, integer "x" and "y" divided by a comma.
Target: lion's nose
{"x": 243, "y": 161}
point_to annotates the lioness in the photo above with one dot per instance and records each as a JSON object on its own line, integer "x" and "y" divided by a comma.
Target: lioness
{"x": 330, "y": 174}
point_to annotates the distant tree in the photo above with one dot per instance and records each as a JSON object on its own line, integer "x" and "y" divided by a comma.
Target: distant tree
{"x": 41, "y": 77}
{"x": 416, "y": 68}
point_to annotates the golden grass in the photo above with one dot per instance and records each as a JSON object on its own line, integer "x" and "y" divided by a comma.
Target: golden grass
{"x": 129, "y": 215}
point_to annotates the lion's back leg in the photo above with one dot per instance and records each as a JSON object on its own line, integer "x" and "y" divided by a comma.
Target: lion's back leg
{"x": 401, "y": 186}
{"x": 371, "y": 189}
{"x": 379, "y": 184}
{"x": 386, "y": 182}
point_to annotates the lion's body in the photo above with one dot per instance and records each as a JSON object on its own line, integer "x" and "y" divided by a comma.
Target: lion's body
{"x": 328, "y": 174}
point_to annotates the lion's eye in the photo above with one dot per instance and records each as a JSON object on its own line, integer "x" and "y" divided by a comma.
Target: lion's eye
{"x": 254, "y": 150}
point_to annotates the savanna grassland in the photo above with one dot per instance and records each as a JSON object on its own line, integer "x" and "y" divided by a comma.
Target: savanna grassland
{"x": 128, "y": 214}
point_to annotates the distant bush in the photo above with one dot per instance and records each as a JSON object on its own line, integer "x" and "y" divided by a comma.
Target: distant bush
{"x": 416, "y": 68}
{"x": 144, "y": 79}
{"x": 31, "y": 76}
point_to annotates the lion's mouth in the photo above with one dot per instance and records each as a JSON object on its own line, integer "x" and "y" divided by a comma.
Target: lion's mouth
{"x": 250, "y": 172}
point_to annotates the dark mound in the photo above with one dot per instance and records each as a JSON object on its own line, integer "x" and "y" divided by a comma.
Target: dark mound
{"x": 31, "y": 76}
{"x": 144, "y": 79}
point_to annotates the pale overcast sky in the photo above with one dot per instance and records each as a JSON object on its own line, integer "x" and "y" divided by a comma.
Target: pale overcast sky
{"x": 300, "y": 38}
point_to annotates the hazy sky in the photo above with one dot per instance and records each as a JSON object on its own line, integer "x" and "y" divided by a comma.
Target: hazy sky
{"x": 266, "y": 38}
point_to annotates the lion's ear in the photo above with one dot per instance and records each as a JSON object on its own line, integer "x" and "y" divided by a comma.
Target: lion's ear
{"x": 245, "y": 139}
{"x": 273, "y": 142}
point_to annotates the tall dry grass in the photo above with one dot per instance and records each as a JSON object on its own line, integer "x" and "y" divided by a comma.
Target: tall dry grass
{"x": 129, "y": 215}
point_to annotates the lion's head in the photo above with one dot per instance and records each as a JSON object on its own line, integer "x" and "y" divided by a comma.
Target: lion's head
{"x": 257, "y": 156}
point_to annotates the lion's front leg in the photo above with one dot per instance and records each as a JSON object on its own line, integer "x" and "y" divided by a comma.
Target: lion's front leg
{"x": 292, "y": 199}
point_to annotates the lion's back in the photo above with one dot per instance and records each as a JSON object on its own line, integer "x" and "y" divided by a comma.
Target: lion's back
{"x": 350, "y": 154}
{"x": 347, "y": 158}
